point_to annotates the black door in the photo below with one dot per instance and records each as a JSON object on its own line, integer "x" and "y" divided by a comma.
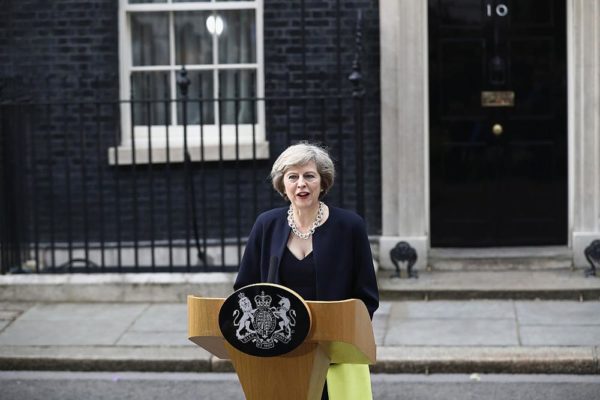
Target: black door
{"x": 498, "y": 122}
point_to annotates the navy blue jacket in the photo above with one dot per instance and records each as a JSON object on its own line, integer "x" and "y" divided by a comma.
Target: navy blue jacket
{"x": 343, "y": 260}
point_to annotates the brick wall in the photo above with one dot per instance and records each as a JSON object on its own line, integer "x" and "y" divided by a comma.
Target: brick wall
{"x": 308, "y": 61}
{"x": 60, "y": 49}
{"x": 68, "y": 50}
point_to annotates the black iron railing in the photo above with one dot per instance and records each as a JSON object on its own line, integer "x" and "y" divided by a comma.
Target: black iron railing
{"x": 81, "y": 193}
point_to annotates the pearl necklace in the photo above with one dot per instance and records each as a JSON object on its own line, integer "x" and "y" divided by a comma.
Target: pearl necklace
{"x": 315, "y": 225}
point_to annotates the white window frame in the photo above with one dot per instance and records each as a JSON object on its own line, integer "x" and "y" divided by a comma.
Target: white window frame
{"x": 219, "y": 140}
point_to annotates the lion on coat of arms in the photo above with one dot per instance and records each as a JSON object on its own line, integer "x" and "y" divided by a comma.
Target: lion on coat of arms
{"x": 287, "y": 321}
{"x": 247, "y": 317}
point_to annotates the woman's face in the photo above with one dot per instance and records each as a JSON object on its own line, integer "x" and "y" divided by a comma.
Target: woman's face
{"x": 303, "y": 185}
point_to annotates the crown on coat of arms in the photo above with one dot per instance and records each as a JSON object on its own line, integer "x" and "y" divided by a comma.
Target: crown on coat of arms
{"x": 262, "y": 300}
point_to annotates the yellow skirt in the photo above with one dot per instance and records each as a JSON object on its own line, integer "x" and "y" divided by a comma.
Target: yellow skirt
{"x": 349, "y": 382}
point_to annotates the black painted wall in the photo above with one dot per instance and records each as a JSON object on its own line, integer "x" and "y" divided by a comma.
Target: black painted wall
{"x": 67, "y": 50}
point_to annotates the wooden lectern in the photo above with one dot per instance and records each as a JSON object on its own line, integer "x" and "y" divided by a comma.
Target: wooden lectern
{"x": 341, "y": 332}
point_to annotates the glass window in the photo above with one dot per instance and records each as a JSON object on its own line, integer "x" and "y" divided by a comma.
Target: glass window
{"x": 150, "y": 38}
{"x": 217, "y": 46}
{"x": 237, "y": 42}
{"x": 150, "y": 91}
{"x": 235, "y": 86}
{"x": 219, "y": 42}
{"x": 193, "y": 41}
{"x": 201, "y": 88}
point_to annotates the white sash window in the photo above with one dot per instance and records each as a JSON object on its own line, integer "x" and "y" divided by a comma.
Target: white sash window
{"x": 220, "y": 44}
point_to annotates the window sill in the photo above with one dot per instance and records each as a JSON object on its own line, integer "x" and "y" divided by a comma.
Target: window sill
{"x": 125, "y": 155}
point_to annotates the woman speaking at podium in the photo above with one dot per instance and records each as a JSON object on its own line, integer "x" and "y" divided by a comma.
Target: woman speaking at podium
{"x": 321, "y": 252}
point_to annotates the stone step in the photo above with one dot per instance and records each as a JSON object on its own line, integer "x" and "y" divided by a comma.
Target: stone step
{"x": 492, "y": 284}
{"x": 500, "y": 259}
{"x": 436, "y": 284}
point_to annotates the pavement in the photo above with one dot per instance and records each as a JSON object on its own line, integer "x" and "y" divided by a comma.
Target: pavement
{"x": 443, "y": 322}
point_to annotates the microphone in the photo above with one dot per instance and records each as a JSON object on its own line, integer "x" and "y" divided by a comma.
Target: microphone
{"x": 272, "y": 277}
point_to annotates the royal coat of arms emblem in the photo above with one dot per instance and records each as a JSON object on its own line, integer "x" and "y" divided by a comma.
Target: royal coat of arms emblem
{"x": 264, "y": 320}
{"x": 264, "y": 325}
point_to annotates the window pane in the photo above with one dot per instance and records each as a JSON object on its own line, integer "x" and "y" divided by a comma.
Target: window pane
{"x": 234, "y": 85}
{"x": 150, "y": 93}
{"x": 193, "y": 42}
{"x": 237, "y": 42}
{"x": 198, "y": 99}
{"x": 150, "y": 38}
{"x": 193, "y": 1}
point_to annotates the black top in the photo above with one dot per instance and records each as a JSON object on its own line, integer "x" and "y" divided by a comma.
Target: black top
{"x": 341, "y": 254}
{"x": 298, "y": 275}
